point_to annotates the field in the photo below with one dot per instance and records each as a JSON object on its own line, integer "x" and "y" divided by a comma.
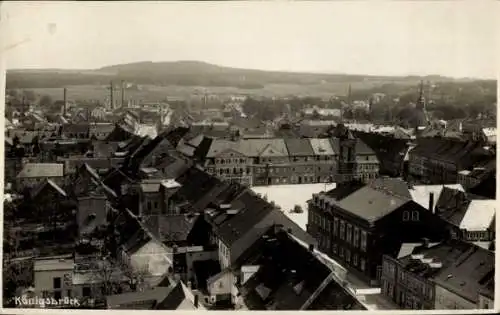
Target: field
{"x": 151, "y": 93}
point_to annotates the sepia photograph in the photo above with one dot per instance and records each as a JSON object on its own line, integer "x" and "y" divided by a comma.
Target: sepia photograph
{"x": 249, "y": 155}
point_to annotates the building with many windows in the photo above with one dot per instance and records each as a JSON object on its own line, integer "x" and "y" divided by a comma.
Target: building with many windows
{"x": 357, "y": 223}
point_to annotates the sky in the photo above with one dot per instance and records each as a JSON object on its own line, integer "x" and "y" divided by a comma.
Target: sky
{"x": 451, "y": 38}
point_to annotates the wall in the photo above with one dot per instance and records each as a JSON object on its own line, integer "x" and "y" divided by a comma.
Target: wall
{"x": 153, "y": 258}
{"x": 485, "y": 302}
{"x": 222, "y": 285}
{"x": 191, "y": 257}
{"x": 44, "y": 282}
{"x": 445, "y": 299}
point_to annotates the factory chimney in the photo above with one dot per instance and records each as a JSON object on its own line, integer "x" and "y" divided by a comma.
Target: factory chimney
{"x": 111, "y": 95}
{"x": 123, "y": 93}
{"x": 65, "y": 101}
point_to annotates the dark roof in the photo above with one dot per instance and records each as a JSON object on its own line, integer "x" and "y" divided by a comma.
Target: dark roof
{"x": 119, "y": 134}
{"x": 446, "y": 149}
{"x": 362, "y": 148}
{"x": 170, "y": 228}
{"x": 342, "y": 191}
{"x": 335, "y": 142}
{"x": 445, "y": 253}
{"x": 395, "y": 186}
{"x": 288, "y": 272}
{"x": 76, "y": 128}
{"x": 468, "y": 273}
{"x": 487, "y": 187}
{"x": 204, "y": 269}
{"x": 299, "y": 147}
{"x": 253, "y": 211}
{"x": 173, "y": 300}
{"x": 452, "y": 205}
{"x": 130, "y": 232}
{"x": 195, "y": 185}
{"x": 138, "y": 300}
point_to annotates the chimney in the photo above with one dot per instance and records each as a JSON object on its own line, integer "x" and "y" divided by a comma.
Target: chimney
{"x": 196, "y": 297}
{"x": 425, "y": 242}
{"x": 431, "y": 202}
{"x": 64, "y": 100}
{"x": 123, "y": 93}
{"x": 278, "y": 228}
{"x": 111, "y": 95}
{"x": 311, "y": 247}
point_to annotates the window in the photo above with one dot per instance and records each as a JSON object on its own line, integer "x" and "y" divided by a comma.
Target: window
{"x": 342, "y": 229}
{"x": 335, "y": 226}
{"x": 86, "y": 291}
{"x": 156, "y": 205}
{"x": 57, "y": 283}
{"x": 355, "y": 259}
{"x": 348, "y": 255}
{"x": 363, "y": 241}
{"x": 415, "y": 216}
{"x": 406, "y": 215}
{"x": 362, "y": 264}
{"x": 341, "y": 252}
{"x": 149, "y": 205}
{"x": 356, "y": 237}
{"x": 349, "y": 233}
{"x": 334, "y": 248}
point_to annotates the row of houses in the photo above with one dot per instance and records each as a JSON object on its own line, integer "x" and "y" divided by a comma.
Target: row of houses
{"x": 278, "y": 161}
{"x": 182, "y": 240}
{"x": 372, "y": 229}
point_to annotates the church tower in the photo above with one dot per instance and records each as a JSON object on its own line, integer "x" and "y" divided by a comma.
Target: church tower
{"x": 346, "y": 160}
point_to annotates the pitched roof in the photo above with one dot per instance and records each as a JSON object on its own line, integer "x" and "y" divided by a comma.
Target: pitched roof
{"x": 362, "y": 148}
{"x": 479, "y": 215}
{"x": 170, "y": 228}
{"x": 42, "y": 170}
{"x": 176, "y": 297}
{"x": 371, "y": 201}
{"x": 468, "y": 273}
{"x": 48, "y": 183}
{"x": 321, "y": 146}
{"x": 263, "y": 147}
{"x": 132, "y": 300}
{"x": 299, "y": 147}
{"x": 288, "y": 275}
{"x": 421, "y": 193}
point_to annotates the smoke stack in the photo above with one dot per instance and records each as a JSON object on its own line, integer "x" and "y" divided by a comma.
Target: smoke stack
{"x": 111, "y": 94}
{"x": 123, "y": 93}
{"x": 431, "y": 202}
{"x": 64, "y": 100}
{"x": 196, "y": 297}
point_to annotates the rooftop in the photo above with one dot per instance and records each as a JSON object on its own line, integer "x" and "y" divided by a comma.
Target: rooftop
{"x": 42, "y": 170}
{"x": 53, "y": 264}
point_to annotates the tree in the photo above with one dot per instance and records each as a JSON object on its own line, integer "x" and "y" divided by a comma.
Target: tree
{"x": 297, "y": 209}
{"x": 45, "y": 101}
{"x": 29, "y": 95}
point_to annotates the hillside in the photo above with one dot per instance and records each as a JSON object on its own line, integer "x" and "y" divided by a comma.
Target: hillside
{"x": 191, "y": 73}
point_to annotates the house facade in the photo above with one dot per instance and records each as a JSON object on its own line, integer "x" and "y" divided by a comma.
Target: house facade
{"x": 356, "y": 224}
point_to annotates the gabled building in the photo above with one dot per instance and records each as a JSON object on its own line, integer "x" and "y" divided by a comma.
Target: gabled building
{"x": 325, "y": 159}
{"x": 34, "y": 173}
{"x": 279, "y": 273}
{"x": 422, "y": 277}
{"x": 358, "y": 223}
{"x": 468, "y": 217}
{"x": 438, "y": 160}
